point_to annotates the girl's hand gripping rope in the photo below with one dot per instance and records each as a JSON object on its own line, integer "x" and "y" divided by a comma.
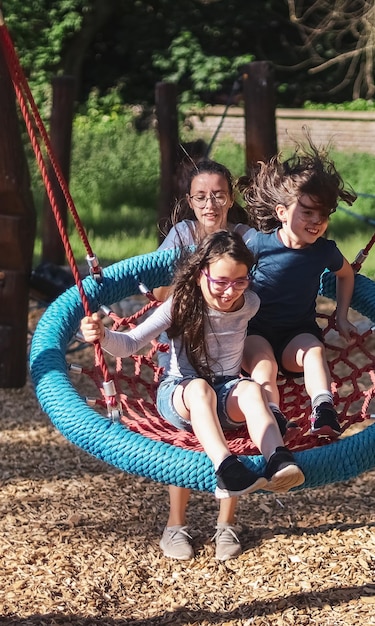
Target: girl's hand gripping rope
{"x": 92, "y": 328}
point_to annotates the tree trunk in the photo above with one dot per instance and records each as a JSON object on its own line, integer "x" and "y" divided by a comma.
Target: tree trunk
{"x": 260, "y": 112}
{"x": 17, "y": 235}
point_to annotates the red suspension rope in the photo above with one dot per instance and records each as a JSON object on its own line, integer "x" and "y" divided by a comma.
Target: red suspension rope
{"x": 33, "y": 120}
{"x": 362, "y": 255}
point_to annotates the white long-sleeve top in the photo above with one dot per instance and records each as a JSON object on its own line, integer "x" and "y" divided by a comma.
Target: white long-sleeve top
{"x": 225, "y": 336}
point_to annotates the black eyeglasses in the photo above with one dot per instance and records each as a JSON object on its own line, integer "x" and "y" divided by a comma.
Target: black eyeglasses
{"x": 220, "y": 285}
{"x": 219, "y": 199}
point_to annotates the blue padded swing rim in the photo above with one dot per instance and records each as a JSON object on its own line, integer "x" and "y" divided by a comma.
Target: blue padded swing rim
{"x": 134, "y": 453}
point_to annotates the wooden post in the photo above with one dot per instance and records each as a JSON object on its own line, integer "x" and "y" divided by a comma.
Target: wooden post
{"x": 17, "y": 236}
{"x": 61, "y": 138}
{"x": 166, "y": 112}
{"x": 260, "y": 112}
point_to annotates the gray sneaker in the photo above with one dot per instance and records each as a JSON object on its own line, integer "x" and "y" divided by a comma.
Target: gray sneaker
{"x": 175, "y": 543}
{"x": 227, "y": 543}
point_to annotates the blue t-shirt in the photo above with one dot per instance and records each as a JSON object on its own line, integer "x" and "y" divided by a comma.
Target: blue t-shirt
{"x": 287, "y": 280}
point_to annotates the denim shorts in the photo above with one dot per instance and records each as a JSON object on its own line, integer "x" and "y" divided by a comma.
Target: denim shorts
{"x": 222, "y": 386}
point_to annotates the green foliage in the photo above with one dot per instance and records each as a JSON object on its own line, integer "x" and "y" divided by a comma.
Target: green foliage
{"x": 112, "y": 161}
{"x": 115, "y": 186}
{"x": 353, "y": 227}
{"x": 40, "y": 31}
{"x": 115, "y": 180}
{"x": 114, "y": 183}
{"x": 98, "y": 106}
{"x": 360, "y": 104}
{"x": 120, "y": 50}
{"x": 111, "y": 46}
{"x": 232, "y": 155}
{"x": 196, "y": 73}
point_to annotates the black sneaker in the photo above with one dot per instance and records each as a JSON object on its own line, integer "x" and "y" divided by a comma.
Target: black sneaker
{"x": 324, "y": 421}
{"x": 281, "y": 420}
{"x": 234, "y": 479}
{"x": 282, "y": 472}
{"x": 288, "y": 429}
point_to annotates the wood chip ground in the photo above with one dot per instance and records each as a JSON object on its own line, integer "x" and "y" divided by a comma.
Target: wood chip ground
{"x": 79, "y": 544}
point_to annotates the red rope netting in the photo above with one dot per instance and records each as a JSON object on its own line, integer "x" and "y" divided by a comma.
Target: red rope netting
{"x": 353, "y": 379}
{"x": 48, "y": 163}
{"x": 353, "y": 385}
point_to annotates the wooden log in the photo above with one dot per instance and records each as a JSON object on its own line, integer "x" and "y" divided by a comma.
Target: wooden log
{"x": 61, "y": 125}
{"x": 260, "y": 112}
{"x": 17, "y": 236}
{"x": 166, "y": 112}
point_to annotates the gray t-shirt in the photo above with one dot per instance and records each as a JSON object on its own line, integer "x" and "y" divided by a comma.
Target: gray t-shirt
{"x": 225, "y": 336}
{"x": 184, "y": 234}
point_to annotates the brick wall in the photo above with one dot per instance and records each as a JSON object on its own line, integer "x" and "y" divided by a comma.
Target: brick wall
{"x": 347, "y": 131}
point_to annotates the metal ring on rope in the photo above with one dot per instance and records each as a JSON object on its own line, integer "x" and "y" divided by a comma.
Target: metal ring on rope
{"x": 134, "y": 453}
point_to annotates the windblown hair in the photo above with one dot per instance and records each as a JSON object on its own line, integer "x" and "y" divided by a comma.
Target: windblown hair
{"x": 182, "y": 211}
{"x": 308, "y": 171}
{"x": 188, "y": 305}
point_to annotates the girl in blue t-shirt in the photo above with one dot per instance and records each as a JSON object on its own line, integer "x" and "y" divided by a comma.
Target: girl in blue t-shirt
{"x": 291, "y": 201}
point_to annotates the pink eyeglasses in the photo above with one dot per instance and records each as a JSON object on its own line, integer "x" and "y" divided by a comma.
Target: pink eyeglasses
{"x": 220, "y": 285}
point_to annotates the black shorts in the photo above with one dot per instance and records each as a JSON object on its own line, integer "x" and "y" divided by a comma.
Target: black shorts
{"x": 280, "y": 338}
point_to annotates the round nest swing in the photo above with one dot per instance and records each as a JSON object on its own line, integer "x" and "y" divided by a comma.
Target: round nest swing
{"x": 139, "y": 444}
{"x": 134, "y": 438}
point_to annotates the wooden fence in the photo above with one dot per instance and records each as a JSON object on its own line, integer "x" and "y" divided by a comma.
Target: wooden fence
{"x": 347, "y": 131}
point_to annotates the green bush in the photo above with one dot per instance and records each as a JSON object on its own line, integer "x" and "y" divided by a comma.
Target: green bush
{"x": 197, "y": 74}
{"x": 114, "y": 183}
{"x": 360, "y": 104}
{"x": 115, "y": 174}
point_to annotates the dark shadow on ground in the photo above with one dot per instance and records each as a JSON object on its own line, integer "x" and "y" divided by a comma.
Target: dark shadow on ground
{"x": 333, "y": 596}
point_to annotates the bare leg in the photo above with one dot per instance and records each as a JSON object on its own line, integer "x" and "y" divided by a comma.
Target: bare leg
{"x": 176, "y": 541}
{"x": 196, "y": 400}
{"x": 305, "y": 352}
{"x": 178, "y": 501}
{"x": 259, "y": 362}
{"x": 227, "y": 510}
{"x": 249, "y": 400}
{"x": 228, "y": 545}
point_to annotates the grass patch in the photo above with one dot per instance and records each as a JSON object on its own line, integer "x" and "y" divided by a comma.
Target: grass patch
{"x": 349, "y": 226}
{"x": 114, "y": 182}
{"x": 353, "y": 227}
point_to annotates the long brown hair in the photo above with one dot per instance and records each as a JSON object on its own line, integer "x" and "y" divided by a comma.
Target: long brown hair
{"x": 308, "y": 171}
{"x": 183, "y": 211}
{"x": 188, "y": 304}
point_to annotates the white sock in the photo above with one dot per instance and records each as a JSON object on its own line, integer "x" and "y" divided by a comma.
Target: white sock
{"x": 217, "y": 465}
{"x": 324, "y": 395}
